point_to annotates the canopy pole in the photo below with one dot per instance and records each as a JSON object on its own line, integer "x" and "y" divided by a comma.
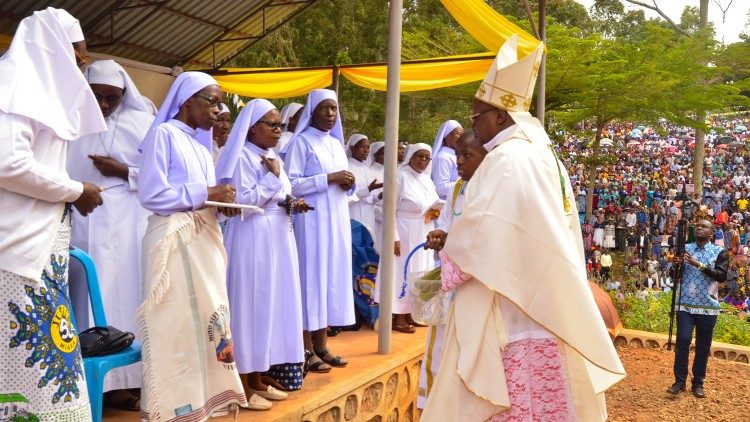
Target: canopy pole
{"x": 387, "y": 262}
{"x": 541, "y": 97}
{"x": 335, "y": 79}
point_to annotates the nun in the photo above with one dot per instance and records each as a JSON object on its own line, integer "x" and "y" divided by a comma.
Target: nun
{"x": 111, "y": 160}
{"x": 220, "y": 132}
{"x": 362, "y": 203}
{"x": 289, "y": 118}
{"x": 376, "y": 158}
{"x": 444, "y": 167}
{"x": 417, "y": 208}
{"x": 263, "y": 274}
{"x": 189, "y": 368}
{"x": 317, "y": 167}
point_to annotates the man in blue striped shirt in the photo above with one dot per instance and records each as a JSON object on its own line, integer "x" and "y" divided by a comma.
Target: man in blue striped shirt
{"x": 705, "y": 265}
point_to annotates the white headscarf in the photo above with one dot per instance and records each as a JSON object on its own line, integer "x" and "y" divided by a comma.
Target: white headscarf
{"x": 109, "y": 72}
{"x": 223, "y": 108}
{"x": 150, "y": 106}
{"x": 41, "y": 79}
{"x": 250, "y": 114}
{"x": 447, "y": 127}
{"x": 352, "y": 142}
{"x": 184, "y": 87}
{"x": 289, "y": 111}
{"x": 374, "y": 148}
{"x": 314, "y": 98}
{"x": 411, "y": 150}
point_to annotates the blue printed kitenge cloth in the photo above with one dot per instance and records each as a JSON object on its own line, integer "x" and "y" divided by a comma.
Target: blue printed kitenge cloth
{"x": 41, "y": 370}
{"x": 699, "y": 294}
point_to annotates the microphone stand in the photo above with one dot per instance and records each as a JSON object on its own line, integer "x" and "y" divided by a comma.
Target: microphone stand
{"x": 678, "y": 270}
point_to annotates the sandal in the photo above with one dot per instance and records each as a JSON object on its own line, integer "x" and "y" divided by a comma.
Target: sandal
{"x": 317, "y": 366}
{"x": 408, "y": 329}
{"x": 413, "y": 323}
{"x": 127, "y": 400}
{"x": 272, "y": 382}
{"x": 329, "y": 358}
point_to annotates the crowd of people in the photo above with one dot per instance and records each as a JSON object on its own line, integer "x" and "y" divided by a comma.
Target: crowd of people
{"x": 227, "y": 246}
{"x": 637, "y": 201}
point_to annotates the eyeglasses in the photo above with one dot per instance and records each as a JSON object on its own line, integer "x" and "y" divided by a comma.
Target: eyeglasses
{"x": 423, "y": 157}
{"x": 212, "y": 101}
{"x": 474, "y": 117}
{"x": 80, "y": 60}
{"x": 272, "y": 125}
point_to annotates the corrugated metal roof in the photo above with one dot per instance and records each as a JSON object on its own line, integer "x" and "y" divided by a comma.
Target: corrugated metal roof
{"x": 188, "y": 33}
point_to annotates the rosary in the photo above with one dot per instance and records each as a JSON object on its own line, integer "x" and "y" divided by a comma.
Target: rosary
{"x": 294, "y": 206}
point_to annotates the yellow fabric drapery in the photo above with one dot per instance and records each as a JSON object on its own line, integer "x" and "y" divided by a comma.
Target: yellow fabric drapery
{"x": 423, "y": 76}
{"x": 274, "y": 84}
{"x": 487, "y": 26}
{"x": 5, "y": 41}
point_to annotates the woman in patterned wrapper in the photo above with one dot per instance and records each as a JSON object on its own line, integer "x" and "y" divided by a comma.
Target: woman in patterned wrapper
{"x": 41, "y": 359}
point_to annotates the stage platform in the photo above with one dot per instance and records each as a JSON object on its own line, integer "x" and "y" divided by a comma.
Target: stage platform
{"x": 372, "y": 387}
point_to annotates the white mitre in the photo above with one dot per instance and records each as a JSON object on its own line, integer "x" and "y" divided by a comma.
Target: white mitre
{"x": 510, "y": 82}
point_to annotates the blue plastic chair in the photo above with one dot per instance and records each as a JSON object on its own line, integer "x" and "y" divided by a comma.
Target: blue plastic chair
{"x": 97, "y": 367}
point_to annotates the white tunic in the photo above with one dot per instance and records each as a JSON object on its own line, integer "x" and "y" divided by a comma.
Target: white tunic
{"x": 263, "y": 276}
{"x": 113, "y": 233}
{"x": 414, "y": 196}
{"x": 34, "y": 187}
{"x": 362, "y": 206}
{"x": 323, "y": 235}
{"x": 378, "y": 171}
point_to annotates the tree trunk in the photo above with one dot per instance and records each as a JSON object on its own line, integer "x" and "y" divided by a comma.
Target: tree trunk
{"x": 591, "y": 168}
{"x": 700, "y": 136}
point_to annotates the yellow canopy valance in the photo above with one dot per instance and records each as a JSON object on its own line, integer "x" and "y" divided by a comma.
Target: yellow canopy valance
{"x": 274, "y": 83}
{"x": 423, "y": 76}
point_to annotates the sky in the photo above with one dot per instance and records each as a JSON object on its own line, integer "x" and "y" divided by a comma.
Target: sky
{"x": 727, "y": 32}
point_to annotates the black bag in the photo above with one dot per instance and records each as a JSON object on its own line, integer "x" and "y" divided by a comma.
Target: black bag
{"x": 99, "y": 341}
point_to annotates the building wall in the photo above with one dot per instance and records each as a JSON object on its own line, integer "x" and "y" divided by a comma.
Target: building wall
{"x": 390, "y": 397}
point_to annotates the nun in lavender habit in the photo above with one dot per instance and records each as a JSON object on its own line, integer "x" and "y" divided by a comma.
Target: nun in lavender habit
{"x": 444, "y": 166}
{"x": 263, "y": 274}
{"x": 317, "y": 167}
{"x": 189, "y": 368}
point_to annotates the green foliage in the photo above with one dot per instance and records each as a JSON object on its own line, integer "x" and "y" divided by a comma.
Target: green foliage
{"x": 652, "y": 314}
{"x": 612, "y": 65}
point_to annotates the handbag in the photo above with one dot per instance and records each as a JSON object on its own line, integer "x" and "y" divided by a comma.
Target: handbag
{"x": 100, "y": 341}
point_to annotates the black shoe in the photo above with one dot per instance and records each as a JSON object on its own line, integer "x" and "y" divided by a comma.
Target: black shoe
{"x": 698, "y": 391}
{"x": 676, "y": 388}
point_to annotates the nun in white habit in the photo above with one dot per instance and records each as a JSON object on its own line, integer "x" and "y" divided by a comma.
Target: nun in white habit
{"x": 444, "y": 167}
{"x": 317, "y": 167}
{"x": 362, "y": 203}
{"x": 375, "y": 159}
{"x": 111, "y": 160}
{"x": 417, "y": 208}
{"x": 263, "y": 274}
{"x": 289, "y": 119}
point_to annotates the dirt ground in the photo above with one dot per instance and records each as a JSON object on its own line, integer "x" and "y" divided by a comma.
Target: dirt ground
{"x": 642, "y": 395}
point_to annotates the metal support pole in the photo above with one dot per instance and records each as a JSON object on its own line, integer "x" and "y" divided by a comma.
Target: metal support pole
{"x": 335, "y": 80}
{"x": 387, "y": 256}
{"x": 541, "y": 99}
